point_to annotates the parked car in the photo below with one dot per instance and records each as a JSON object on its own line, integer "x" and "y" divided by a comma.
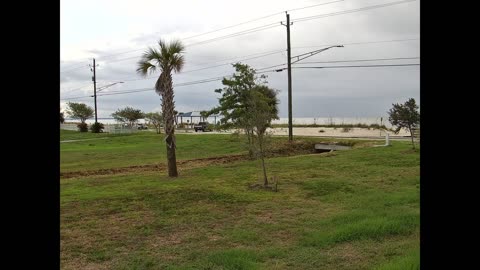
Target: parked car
{"x": 142, "y": 126}
{"x": 203, "y": 126}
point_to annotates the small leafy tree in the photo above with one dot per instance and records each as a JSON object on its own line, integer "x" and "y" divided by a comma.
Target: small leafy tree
{"x": 234, "y": 101}
{"x": 79, "y": 111}
{"x": 62, "y": 118}
{"x": 405, "y": 116}
{"x": 128, "y": 115}
{"x": 155, "y": 119}
{"x": 248, "y": 104}
{"x": 261, "y": 110}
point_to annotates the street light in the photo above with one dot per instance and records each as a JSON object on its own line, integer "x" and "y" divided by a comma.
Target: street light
{"x": 312, "y": 53}
{"x": 299, "y": 58}
{"x": 95, "y": 96}
{"x": 106, "y": 86}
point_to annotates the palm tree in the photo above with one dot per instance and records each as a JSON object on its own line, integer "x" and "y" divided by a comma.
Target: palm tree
{"x": 167, "y": 58}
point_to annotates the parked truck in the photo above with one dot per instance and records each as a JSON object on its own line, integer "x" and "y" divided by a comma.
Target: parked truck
{"x": 203, "y": 126}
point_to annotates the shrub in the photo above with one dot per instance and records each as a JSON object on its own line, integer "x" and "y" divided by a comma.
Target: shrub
{"x": 211, "y": 127}
{"x": 82, "y": 127}
{"x": 321, "y": 131}
{"x": 97, "y": 127}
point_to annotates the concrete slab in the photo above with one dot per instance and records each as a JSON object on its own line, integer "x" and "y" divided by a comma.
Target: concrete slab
{"x": 321, "y": 146}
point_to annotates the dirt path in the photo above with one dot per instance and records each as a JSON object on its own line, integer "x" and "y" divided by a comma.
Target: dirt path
{"x": 182, "y": 164}
{"x": 67, "y": 141}
{"x": 287, "y": 149}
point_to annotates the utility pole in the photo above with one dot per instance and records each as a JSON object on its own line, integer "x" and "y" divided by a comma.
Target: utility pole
{"x": 289, "y": 67}
{"x": 94, "y": 79}
{"x": 289, "y": 54}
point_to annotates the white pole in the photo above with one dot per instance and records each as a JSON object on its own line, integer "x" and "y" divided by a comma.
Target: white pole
{"x": 387, "y": 140}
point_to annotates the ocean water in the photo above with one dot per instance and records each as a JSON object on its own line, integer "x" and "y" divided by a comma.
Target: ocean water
{"x": 336, "y": 120}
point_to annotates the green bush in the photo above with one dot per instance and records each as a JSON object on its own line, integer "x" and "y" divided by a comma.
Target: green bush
{"x": 97, "y": 127}
{"x": 211, "y": 127}
{"x": 82, "y": 127}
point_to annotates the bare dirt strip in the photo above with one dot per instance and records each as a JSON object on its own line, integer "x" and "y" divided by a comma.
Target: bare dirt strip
{"x": 192, "y": 163}
{"x": 293, "y": 149}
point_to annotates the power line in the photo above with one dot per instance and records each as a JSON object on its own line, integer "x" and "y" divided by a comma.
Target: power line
{"x": 74, "y": 65}
{"x": 128, "y": 91}
{"x": 278, "y": 51}
{"x": 176, "y": 85}
{"x": 242, "y": 58}
{"x": 257, "y": 19}
{"x": 271, "y": 53}
{"x": 232, "y": 26}
{"x": 72, "y": 90}
{"x": 263, "y": 27}
{"x": 222, "y": 77}
{"x": 301, "y": 47}
{"x": 232, "y": 58}
{"x": 71, "y": 98}
{"x": 260, "y": 71}
{"x": 260, "y": 28}
{"x": 229, "y": 63}
{"x": 70, "y": 70}
{"x": 213, "y": 31}
{"x": 248, "y": 31}
{"x": 279, "y": 65}
{"x": 240, "y": 33}
{"x": 395, "y": 65}
{"x": 359, "y": 60}
{"x": 244, "y": 32}
{"x": 359, "y": 43}
{"x": 295, "y": 9}
{"x": 350, "y": 11}
{"x": 267, "y": 54}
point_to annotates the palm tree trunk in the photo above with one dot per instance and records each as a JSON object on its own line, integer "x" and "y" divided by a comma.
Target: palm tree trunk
{"x": 171, "y": 157}
{"x": 168, "y": 105}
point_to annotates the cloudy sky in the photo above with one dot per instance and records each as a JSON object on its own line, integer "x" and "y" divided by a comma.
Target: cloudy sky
{"x": 116, "y": 32}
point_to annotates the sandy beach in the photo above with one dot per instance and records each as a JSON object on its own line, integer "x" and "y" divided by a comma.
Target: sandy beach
{"x": 337, "y": 132}
{"x": 324, "y": 132}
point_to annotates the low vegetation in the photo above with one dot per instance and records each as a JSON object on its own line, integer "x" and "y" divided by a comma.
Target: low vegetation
{"x": 405, "y": 116}
{"x": 353, "y": 209}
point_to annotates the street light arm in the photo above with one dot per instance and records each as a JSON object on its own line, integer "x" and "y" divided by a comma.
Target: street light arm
{"x": 106, "y": 86}
{"x": 312, "y": 53}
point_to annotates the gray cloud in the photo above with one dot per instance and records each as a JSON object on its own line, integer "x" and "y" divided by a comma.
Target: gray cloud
{"x": 345, "y": 92}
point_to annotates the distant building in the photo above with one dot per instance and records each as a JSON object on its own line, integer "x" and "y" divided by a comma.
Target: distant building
{"x": 194, "y": 117}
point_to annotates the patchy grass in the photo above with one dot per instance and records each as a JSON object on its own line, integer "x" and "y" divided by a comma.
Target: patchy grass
{"x": 410, "y": 261}
{"x": 148, "y": 148}
{"x": 75, "y": 135}
{"x": 140, "y": 149}
{"x": 356, "y": 209}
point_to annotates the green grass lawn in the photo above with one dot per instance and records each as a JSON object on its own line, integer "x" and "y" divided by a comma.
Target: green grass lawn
{"x": 138, "y": 149}
{"x": 354, "y": 209}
